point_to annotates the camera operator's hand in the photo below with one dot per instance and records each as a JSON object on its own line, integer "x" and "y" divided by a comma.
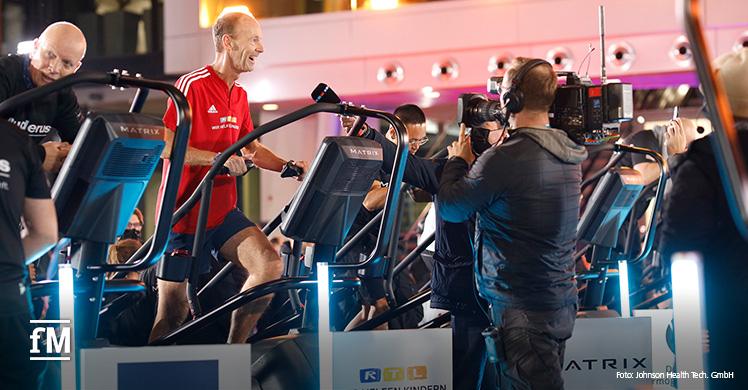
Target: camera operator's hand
{"x": 236, "y": 165}
{"x": 347, "y": 122}
{"x": 55, "y": 153}
{"x": 677, "y": 135}
{"x": 462, "y": 148}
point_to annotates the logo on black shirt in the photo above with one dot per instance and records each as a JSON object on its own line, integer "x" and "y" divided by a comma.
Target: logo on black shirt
{"x": 5, "y": 173}
{"x": 34, "y": 130}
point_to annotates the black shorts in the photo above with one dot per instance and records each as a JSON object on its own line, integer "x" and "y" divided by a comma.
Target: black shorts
{"x": 17, "y": 371}
{"x": 213, "y": 240}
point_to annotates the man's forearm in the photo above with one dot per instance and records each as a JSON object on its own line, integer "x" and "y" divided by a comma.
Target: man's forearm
{"x": 196, "y": 156}
{"x": 264, "y": 158}
{"x": 36, "y": 244}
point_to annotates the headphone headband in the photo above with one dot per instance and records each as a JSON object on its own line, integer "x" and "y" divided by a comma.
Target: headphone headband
{"x": 524, "y": 69}
{"x": 513, "y": 99}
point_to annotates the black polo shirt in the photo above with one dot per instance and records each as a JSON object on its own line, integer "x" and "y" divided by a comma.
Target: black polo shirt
{"x": 21, "y": 177}
{"x": 57, "y": 111}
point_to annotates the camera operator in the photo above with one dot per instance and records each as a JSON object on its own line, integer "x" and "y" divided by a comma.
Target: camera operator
{"x": 696, "y": 217}
{"x": 526, "y": 193}
{"x": 452, "y": 286}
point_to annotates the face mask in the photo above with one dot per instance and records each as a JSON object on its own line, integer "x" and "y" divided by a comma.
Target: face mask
{"x": 131, "y": 234}
{"x": 479, "y": 140}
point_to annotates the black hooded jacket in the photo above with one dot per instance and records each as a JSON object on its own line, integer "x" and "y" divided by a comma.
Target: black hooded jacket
{"x": 526, "y": 195}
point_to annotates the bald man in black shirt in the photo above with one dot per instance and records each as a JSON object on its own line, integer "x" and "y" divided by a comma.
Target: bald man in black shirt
{"x": 23, "y": 195}
{"x": 57, "y": 53}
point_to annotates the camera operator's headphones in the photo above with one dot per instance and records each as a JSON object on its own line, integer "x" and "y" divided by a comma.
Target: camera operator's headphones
{"x": 513, "y": 99}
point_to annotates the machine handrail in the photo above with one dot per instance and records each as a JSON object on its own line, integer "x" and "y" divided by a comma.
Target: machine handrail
{"x": 727, "y": 150}
{"x": 405, "y": 262}
{"x": 659, "y": 195}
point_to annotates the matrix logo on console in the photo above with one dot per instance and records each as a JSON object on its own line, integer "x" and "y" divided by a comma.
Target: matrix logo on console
{"x": 393, "y": 374}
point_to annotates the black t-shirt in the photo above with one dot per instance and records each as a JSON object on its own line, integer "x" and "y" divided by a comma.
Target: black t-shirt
{"x": 644, "y": 139}
{"x": 57, "y": 111}
{"x": 21, "y": 177}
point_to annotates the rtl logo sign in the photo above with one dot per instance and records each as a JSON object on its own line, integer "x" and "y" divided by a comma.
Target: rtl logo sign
{"x": 57, "y": 343}
{"x": 393, "y": 374}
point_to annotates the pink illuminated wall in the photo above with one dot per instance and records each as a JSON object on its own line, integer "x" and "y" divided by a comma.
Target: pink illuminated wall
{"x": 346, "y": 49}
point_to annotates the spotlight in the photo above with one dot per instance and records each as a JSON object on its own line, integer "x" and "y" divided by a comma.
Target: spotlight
{"x": 741, "y": 42}
{"x": 497, "y": 64}
{"x": 621, "y": 55}
{"x": 446, "y": 69}
{"x": 560, "y": 57}
{"x": 680, "y": 52}
{"x": 390, "y": 74}
{"x": 640, "y": 120}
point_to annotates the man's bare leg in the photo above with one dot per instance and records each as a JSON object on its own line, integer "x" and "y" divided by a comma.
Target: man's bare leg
{"x": 361, "y": 317}
{"x": 172, "y": 308}
{"x": 366, "y": 313}
{"x": 251, "y": 249}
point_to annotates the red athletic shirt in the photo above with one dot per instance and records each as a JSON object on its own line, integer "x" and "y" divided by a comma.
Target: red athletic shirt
{"x": 218, "y": 120}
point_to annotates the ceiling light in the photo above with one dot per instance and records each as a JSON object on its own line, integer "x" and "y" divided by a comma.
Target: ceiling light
{"x": 270, "y": 107}
{"x": 242, "y": 9}
{"x": 379, "y": 5}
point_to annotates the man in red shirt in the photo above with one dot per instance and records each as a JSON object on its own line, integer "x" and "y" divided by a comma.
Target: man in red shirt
{"x": 220, "y": 116}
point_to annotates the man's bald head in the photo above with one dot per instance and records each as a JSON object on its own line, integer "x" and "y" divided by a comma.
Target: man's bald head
{"x": 229, "y": 24}
{"x": 238, "y": 39}
{"x": 66, "y": 36}
{"x": 57, "y": 52}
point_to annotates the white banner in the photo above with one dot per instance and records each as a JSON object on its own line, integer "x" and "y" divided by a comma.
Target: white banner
{"x": 411, "y": 359}
{"x": 167, "y": 367}
{"x": 663, "y": 345}
{"x": 609, "y": 353}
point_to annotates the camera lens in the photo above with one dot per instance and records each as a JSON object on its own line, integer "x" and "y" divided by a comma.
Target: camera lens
{"x": 479, "y": 111}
